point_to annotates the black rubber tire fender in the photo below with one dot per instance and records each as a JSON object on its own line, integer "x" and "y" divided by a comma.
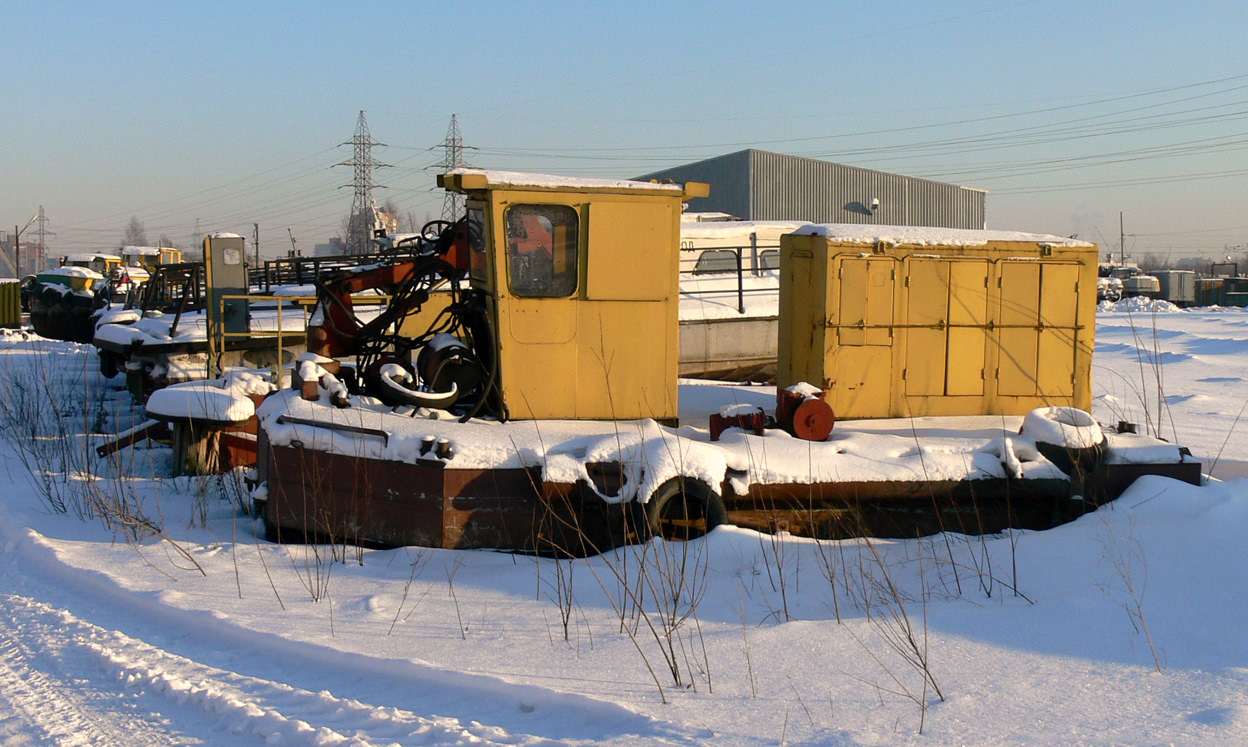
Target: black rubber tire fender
{"x": 108, "y": 364}
{"x": 684, "y": 508}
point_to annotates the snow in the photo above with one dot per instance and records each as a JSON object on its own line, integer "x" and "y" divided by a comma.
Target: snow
{"x": 118, "y": 316}
{"x": 652, "y": 454}
{"x": 209, "y": 401}
{"x": 861, "y": 233}
{"x": 307, "y": 289}
{"x": 1063, "y": 426}
{"x": 193, "y": 326}
{"x": 805, "y": 389}
{"x": 1123, "y": 627}
{"x": 71, "y": 272}
{"x": 521, "y": 179}
{"x": 715, "y": 296}
{"x": 735, "y": 233}
{"x": 89, "y": 257}
{"x": 738, "y": 409}
{"x": 1140, "y": 305}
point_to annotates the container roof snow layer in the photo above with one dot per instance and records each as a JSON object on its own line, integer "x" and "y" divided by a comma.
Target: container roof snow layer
{"x": 862, "y": 233}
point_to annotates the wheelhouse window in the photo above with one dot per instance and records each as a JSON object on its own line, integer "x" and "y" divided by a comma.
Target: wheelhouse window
{"x": 478, "y": 266}
{"x": 541, "y": 250}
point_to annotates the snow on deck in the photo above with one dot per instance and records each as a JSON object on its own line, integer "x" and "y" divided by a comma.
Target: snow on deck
{"x": 192, "y": 327}
{"x": 925, "y": 449}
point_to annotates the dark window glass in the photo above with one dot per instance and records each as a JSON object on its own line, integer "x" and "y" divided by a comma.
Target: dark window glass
{"x": 541, "y": 250}
{"x": 769, "y": 259}
{"x": 476, "y": 245}
{"x": 713, "y": 261}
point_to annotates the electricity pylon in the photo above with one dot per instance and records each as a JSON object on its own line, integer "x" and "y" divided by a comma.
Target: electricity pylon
{"x": 359, "y": 222}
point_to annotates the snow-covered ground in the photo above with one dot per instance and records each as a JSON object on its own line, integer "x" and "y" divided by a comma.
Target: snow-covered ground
{"x": 177, "y": 625}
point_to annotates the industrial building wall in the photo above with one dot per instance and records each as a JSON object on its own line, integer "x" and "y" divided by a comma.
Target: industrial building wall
{"x": 758, "y": 185}
{"x": 796, "y": 188}
{"x": 729, "y": 177}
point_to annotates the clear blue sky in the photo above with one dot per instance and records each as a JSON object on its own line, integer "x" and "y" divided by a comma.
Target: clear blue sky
{"x": 1067, "y": 112}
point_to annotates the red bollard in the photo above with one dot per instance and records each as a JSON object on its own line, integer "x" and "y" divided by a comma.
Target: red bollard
{"x": 805, "y": 415}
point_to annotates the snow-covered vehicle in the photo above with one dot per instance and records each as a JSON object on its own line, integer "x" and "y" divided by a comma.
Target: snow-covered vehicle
{"x": 1132, "y": 280}
{"x": 1108, "y": 289}
{"x": 62, "y": 300}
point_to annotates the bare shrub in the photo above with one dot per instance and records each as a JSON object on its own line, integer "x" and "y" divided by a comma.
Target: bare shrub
{"x": 1125, "y": 558}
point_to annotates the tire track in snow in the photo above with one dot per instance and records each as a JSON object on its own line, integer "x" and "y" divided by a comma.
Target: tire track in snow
{"x": 49, "y": 701}
{"x": 279, "y": 712}
{"x": 236, "y": 704}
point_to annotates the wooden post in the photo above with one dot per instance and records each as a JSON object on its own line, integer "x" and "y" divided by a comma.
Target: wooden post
{"x": 196, "y": 449}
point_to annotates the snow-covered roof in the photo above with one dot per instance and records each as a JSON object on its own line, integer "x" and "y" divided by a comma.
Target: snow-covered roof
{"x": 224, "y": 235}
{"x": 72, "y": 272}
{"x": 859, "y": 233}
{"x": 554, "y": 181}
{"x": 89, "y": 256}
{"x": 764, "y": 229}
{"x": 707, "y": 217}
{"x": 147, "y": 251}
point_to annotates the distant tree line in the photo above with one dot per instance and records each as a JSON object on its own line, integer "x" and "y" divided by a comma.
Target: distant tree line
{"x": 355, "y": 229}
{"x": 1153, "y": 262}
{"x": 135, "y": 234}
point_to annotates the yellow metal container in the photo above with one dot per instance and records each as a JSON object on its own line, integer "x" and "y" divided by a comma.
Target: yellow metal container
{"x": 581, "y": 282}
{"x": 10, "y": 304}
{"x": 896, "y": 321}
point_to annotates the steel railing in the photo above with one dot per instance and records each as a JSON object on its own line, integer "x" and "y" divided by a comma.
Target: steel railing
{"x": 732, "y": 265}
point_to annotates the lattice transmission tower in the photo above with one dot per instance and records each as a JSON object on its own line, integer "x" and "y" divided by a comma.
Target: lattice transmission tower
{"x": 42, "y": 233}
{"x": 452, "y": 158}
{"x": 360, "y": 220}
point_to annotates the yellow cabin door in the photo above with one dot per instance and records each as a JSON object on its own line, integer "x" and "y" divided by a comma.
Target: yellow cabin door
{"x": 1018, "y": 334}
{"x": 946, "y": 315}
{"x": 967, "y": 342}
{"x": 861, "y": 364}
{"x": 927, "y": 320}
{"x": 539, "y": 274}
{"x": 1059, "y": 309}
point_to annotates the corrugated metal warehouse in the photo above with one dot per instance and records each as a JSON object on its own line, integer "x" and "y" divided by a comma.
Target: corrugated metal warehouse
{"x": 758, "y": 185}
